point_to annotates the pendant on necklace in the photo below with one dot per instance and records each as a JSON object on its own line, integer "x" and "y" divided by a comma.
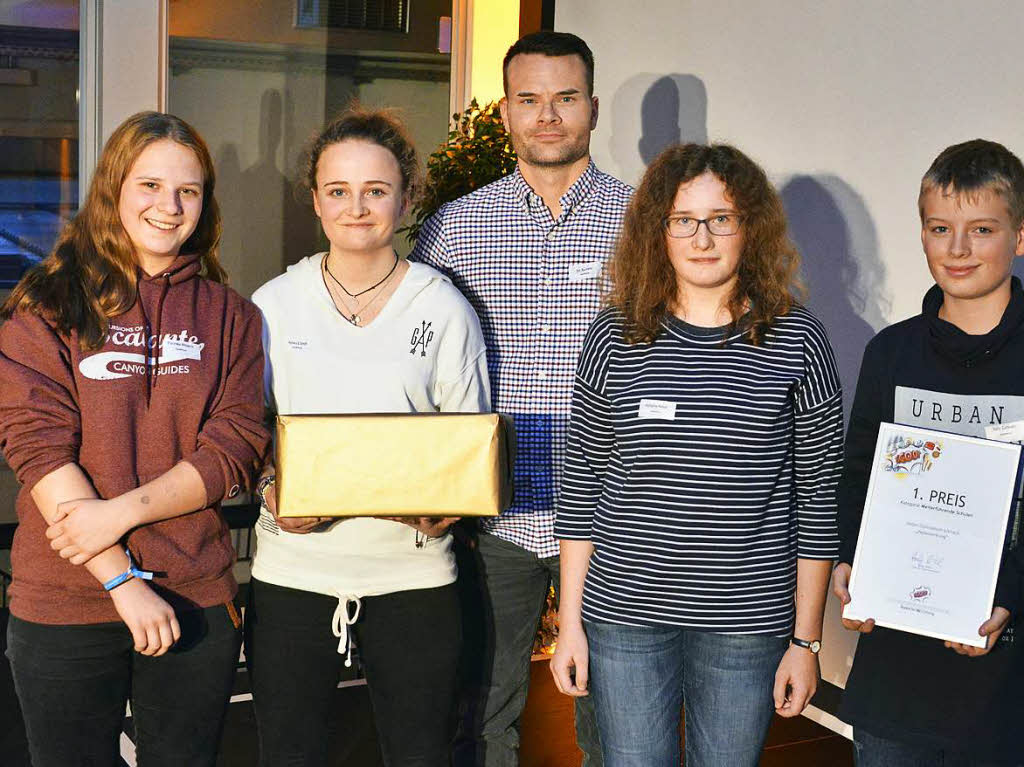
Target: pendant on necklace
{"x": 356, "y": 319}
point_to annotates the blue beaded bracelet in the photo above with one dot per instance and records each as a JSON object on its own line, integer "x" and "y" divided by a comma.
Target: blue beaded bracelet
{"x": 127, "y": 575}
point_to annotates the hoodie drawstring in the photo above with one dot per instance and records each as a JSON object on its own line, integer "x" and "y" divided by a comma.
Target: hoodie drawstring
{"x": 342, "y": 623}
{"x": 159, "y": 322}
{"x": 153, "y": 355}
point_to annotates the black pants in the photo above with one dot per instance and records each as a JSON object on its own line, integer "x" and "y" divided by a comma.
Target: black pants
{"x": 73, "y": 682}
{"x": 409, "y": 645}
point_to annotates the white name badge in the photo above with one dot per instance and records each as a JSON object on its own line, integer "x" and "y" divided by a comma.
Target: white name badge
{"x": 657, "y": 408}
{"x": 1006, "y": 432}
{"x": 584, "y": 272}
{"x": 175, "y": 349}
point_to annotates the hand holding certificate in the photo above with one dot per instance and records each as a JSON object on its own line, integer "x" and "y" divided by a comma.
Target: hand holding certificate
{"x": 931, "y": 538}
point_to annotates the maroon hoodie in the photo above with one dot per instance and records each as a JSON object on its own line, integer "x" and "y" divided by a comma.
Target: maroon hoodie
{"x": 125, "y": 418}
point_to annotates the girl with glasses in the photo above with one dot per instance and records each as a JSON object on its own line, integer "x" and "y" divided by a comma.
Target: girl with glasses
{"x": 697, "y": 513}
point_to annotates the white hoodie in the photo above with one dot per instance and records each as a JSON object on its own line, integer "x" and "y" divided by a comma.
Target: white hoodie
{"x": 424, "y": 352}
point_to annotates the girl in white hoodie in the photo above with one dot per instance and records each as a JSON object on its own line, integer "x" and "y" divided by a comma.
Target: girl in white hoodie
{"x": 358, "y": 330}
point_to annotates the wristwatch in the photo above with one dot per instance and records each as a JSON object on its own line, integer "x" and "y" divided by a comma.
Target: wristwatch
{"x": 814, "y": 645}
{"x": 263, "y": 484}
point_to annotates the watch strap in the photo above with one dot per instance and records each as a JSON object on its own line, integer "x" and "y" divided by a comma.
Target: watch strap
{"x": 261, "y": 486}
{"x": 814, "y": 645}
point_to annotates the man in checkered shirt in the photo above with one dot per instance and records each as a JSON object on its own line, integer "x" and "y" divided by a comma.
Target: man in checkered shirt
{"x": 528, "y": 252}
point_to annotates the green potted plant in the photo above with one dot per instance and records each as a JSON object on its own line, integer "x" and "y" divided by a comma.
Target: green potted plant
{"x": 477, "y": 152}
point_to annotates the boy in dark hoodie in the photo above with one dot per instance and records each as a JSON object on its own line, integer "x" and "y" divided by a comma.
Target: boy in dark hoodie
{"x": 959, "y": 367}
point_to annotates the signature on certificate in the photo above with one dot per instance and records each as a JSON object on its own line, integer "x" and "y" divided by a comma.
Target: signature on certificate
{"x": 929, "y": 563}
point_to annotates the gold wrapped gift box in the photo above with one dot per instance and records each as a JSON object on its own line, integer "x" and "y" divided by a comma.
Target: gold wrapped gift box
{"x": 423, "y": 464}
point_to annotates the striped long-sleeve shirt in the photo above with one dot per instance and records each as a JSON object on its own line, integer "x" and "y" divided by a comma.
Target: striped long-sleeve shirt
{"x": 701, "y": 468}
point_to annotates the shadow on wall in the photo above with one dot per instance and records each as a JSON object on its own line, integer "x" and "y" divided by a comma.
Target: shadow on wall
{"x": 828, "y": 220}
{"x": 266, "y": 228}
{"x": 840, "y": 263}
{"x": 293, "y": 233}
{"x": 232, "y": 210}
{"x": 672, "y": 108}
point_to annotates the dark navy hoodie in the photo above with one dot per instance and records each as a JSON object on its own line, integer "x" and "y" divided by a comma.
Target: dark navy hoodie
{"x": 927, "y": 372}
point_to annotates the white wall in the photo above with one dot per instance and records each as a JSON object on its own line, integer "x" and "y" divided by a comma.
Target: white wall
{"x": 845, "y": 104}
{"x": 859, "y": 97}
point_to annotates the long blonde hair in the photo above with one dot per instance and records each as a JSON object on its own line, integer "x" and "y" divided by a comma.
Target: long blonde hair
{"x": 90, "y": 277}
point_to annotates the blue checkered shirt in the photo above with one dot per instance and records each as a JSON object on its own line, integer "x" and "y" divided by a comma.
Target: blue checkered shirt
{"x": 536, "y": 284}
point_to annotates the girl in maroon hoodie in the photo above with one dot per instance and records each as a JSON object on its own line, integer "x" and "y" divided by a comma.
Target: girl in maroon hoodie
{"x": 130, "y": 405}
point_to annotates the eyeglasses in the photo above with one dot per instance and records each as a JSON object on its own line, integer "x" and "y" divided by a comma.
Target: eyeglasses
{"x": 721, "y": 225}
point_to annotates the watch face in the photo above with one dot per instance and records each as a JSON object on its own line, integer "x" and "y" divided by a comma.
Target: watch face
{"x": 815, "y": 646}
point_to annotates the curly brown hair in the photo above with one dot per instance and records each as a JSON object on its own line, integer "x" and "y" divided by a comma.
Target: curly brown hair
{"x": 644, "y": 285}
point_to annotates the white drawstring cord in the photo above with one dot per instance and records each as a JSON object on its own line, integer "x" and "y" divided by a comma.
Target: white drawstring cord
{"x": 342, "y": 622}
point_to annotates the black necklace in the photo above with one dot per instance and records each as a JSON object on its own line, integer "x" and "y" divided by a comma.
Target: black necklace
{"x": 353, "y": 316}
{"x": 361, "y": 292}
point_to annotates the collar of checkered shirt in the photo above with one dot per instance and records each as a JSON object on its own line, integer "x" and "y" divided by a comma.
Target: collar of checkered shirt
{"x": 575, "y": 194}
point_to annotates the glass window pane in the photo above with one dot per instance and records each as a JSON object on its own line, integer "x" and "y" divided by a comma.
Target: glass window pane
{"x": 257, "y": 81}
{"x": 38, "y": 129}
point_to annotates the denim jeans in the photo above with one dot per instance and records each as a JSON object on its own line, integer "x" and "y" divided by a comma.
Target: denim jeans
{"x": 409, "y": 646}
{"x": 641, "y": 675}
{"x": 873, "y": 751}
{"x": 73, "y": 681}
{"x": 504, "y": 588}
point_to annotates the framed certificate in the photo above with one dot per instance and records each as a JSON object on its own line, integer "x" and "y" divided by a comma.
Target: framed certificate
{"x": 932, "y": 535}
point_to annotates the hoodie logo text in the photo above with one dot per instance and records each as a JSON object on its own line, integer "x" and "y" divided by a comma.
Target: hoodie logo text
{"x": 421, "y": 338}
{"x": 169, "y": 348}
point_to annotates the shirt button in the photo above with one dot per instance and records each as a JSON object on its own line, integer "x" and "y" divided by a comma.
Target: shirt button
{"x": 548, "y": 281}
{"x": 551, "y": 235}
{"x": 542, "y": 374}
{"x": 545, "y": 328}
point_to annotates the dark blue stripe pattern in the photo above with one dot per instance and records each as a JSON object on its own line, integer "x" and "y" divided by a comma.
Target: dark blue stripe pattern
{"x": 698, "y": 520}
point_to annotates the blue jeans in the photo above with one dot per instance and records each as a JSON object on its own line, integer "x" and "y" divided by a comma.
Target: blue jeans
{"x": 873, "y": 751}
{"x": 640, "y": 676}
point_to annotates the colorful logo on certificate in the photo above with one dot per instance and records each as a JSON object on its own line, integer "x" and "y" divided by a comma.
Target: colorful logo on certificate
{"x": 905, "y": 456}
{"x": 920, "y": 593}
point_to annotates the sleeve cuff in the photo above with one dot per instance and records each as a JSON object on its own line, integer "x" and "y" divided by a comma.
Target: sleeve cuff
{"x": 212, "y": 474}
{"x": 823, "y": 555}
{"x": 572, "y": 533}
{"x": 572, "y": 536}
{"x": 29, "y": 476}
{"x": 846, "y": 551}
{"x": 1007, "y": 588}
